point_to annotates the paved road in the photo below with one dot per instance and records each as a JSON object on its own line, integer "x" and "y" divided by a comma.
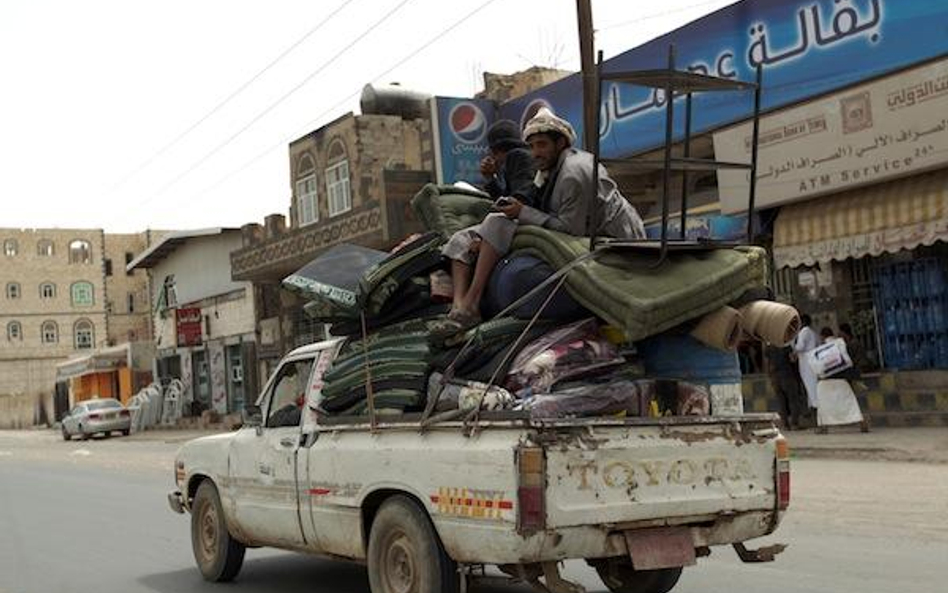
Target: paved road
{"x": 83, "y": 516}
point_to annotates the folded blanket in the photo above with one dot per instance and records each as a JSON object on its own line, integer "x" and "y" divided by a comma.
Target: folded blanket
{"x": 390, "y": 401}
{"x": 447, "y": 209}
{"x": 383, "y": 280}
{"x": 622, "y": 288}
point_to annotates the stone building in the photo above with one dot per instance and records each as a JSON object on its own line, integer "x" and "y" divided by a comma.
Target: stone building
{"x": 59, "y": 299}
{"x": 504, "y": 87}
{"x": 351, "y": 182}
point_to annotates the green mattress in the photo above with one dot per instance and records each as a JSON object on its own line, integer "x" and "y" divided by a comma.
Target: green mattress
{"x": 448, "y": 209}
{"x": 621, "y": 288}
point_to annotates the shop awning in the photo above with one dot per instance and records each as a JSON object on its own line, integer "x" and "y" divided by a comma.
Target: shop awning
{"x": 884, "y": 218}
{"x": 102, "y": 360}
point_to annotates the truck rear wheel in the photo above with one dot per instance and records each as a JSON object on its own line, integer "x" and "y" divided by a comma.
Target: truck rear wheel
{"x": 405, "y": 554}
{"x": 618, "y": 575}
{"x": 219, "y": 556}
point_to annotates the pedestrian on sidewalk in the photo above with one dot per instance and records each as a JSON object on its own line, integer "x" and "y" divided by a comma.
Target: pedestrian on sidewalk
{"x": 786, "y": 385}
{"x": 805, "y": 342}
{"x": 837, "y": 403}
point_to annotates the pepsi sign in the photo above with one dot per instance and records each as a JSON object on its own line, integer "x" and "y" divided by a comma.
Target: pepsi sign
{"x": 467, "y": 123}
{"x": 459, "y": 128}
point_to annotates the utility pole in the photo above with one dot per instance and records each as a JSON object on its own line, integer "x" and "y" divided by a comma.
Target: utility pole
{"x": 588, "y": 63}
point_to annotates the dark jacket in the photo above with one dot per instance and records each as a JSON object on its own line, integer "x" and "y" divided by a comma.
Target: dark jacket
{"x": 515, "y": 179}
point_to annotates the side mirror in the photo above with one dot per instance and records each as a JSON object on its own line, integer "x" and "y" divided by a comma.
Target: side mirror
{"x": 251, "y": 415}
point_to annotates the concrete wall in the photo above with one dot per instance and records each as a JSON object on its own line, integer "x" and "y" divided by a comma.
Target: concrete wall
{"x": 201, "y": 268}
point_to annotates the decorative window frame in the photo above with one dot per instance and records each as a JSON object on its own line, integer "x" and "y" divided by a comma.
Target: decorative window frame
{"x": 53, "y": 337}
{"x": 74, "y": 291}
{"x": 86, "y": 339}
{"x": 306, "y": 191}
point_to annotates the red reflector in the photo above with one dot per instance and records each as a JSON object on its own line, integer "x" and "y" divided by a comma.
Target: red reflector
{"x": 783, "y": 490}
{"x": 94, "y": 416}
{"x": 531, "y": 517}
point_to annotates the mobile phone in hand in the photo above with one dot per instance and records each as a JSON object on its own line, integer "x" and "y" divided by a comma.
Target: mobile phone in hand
{"x": 503, "y": 202}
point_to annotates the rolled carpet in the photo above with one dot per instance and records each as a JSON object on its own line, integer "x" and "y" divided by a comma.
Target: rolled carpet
{"x": 720, "y": 329}
{"x": 774, "y": 323}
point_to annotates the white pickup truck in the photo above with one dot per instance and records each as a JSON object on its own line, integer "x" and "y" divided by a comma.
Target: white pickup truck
{"x": 430, "y": 509}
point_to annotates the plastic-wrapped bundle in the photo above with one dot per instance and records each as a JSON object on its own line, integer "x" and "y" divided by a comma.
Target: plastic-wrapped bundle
{"x": 569, "y": 351}
{"x": 631, "y": 398}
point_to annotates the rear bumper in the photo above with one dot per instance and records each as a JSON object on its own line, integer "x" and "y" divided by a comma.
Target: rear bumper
{"x": 465, "y": 542}
{"x": 176, "y": 502}
{"x": 117, "y": 424}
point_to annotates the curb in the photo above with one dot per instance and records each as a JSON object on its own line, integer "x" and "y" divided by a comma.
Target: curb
{"x": 868, "y": 454}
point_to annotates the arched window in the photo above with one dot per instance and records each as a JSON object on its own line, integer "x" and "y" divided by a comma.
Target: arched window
{"x": 49, "y": 332}
{"x": 84, "y": 334}
{"x": 13, "y": 290}
{"x": 10, "y": 247}
{"x": 307, "y": 199}
{"x": 80, "y": 252}
{"x": 14, "y": 331}
{"x": 44, "y": 248}
{"x": 337, "y": 179}
{"x": 82, "y": 294}
{"x": 47, "y": 290}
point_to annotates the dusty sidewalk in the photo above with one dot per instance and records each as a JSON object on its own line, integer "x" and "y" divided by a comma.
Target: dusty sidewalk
{"x": 918, "y": 444}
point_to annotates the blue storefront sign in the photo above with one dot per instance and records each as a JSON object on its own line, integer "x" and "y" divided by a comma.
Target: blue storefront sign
{"x": 804, "y": 47}
{"x": 460, "y": 132}
{"x": 721, "y": 227}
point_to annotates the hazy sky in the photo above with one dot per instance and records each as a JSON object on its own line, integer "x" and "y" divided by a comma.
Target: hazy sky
{"x": 110, "y": 110}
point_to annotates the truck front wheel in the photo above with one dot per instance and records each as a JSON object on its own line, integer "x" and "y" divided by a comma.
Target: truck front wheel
{"x": 219, "y": 556}
{"x": 405, "y": 554}
{"x": 618, "y": 575}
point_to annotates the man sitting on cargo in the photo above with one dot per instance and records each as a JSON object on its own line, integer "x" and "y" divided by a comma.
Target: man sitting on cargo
{"x": 563, "y": 195}
{"x": 509, "y": 169}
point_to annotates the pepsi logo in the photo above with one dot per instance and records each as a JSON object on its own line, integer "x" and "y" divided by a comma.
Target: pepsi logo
{"x": 468, "y": 123}
{"x": 532, "y": 109}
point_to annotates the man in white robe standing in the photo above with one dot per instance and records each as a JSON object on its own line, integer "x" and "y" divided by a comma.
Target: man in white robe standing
{"x": 806, "y": 340}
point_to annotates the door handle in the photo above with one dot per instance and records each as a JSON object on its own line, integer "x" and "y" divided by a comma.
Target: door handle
{"x": 289, "y": 441}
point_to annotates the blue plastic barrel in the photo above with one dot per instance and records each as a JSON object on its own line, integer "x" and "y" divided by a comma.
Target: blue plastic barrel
{"x": 669, "y": 356}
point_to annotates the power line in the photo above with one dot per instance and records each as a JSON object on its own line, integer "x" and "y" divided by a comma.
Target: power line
{"x": 276, "y": 103}
{"x": 345, "y": 100}
{"x": 656, "y": 15}
{"x": 228, "y": 99}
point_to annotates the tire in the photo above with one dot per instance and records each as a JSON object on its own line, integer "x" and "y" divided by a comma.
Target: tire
{"x": 405, "y": 554}
{"x": 618, "y": 576}
{"x": 126, "y": 432}
{"x": 66, "y": 436}
{"x": 218, "y": 555}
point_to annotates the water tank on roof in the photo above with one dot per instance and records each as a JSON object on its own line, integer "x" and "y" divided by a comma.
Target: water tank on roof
{"x": 391, "y": 99}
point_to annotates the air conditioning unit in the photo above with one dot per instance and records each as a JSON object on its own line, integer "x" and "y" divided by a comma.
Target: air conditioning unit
{"x": 237, "y": 374}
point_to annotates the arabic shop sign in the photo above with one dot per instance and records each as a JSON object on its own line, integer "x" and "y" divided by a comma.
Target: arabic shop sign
{"x": 188, "y": 326}
{"x": 805, "y": 49}
{"x": 889, "y": 128}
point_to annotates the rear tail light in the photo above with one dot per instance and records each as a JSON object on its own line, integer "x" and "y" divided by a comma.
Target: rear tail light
{"x": 94, "y": 416}
{"x": 531, "y": 510}
{"x": 124, "y": 413}
{"x": 783, "y": 474}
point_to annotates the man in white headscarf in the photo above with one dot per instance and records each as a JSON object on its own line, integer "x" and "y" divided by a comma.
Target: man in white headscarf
{"x": 564, "y": 194}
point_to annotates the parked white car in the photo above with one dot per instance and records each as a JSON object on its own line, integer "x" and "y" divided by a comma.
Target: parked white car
{"x": 428, "y": 509}
{"x": 94, "y": 416}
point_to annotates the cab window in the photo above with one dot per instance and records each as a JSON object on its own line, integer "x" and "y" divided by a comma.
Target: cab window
{"x": 288, "y": 394}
